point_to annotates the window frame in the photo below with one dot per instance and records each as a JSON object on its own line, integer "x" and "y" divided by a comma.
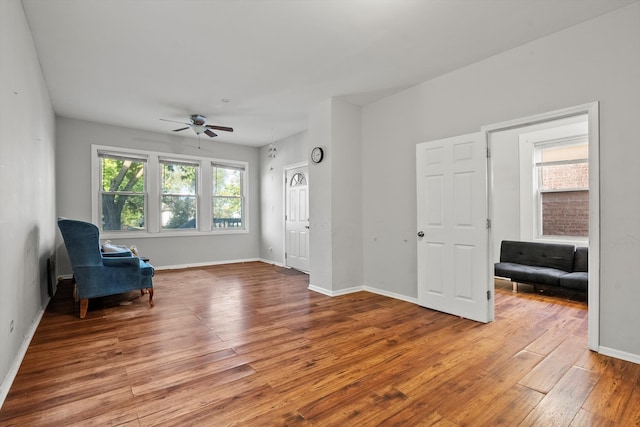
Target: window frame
{"x": 538, "y": 147}
{"x": 195, "y": 195}
{"x": 99, "y": 204}
{"x": 242, "y": 195}
{"x": 153, "y": 193}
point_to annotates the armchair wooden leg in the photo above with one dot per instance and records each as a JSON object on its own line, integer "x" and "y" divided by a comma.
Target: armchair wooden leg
{"x": 151, "y": 303}
{"x": 84, "y": 304}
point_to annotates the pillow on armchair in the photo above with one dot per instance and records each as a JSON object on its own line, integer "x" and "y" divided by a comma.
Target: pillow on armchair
{"x": 110, "y": 250}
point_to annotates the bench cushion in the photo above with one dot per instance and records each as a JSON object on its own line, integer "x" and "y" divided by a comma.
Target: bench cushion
{"x": 578, "y": 280}
{"x": 548, "y": 255}
{"x": 529, "y": 274}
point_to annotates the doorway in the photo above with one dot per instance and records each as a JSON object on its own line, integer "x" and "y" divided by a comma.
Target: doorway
{"x": 437, "y": 177}
{"x": 296, "y": 219}
{"x": 512, "y": 187}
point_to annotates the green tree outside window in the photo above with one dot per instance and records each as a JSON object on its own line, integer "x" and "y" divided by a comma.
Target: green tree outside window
{"x": 179, "y": 201}
{"x": 227, "y": 197}
{"x": 122, "y": 193}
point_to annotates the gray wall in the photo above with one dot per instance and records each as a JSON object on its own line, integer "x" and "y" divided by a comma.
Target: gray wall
{"x": 73, "y": 190}
{"x": 27, "y": 206}
{"x": 598, "y": 60}
{"x": 290, "y": 150}
{"x": 507, "y": 222}
{"x": 335, "y": 198}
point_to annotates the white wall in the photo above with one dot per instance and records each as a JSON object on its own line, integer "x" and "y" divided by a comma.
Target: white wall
{"x": 598, "y": 60}
{"x": 290, "y": 150}
{"x": 27, "y": 207}
{"x": 73, "y": 169}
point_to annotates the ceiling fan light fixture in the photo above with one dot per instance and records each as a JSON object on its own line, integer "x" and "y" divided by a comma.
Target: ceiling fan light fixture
{"x": 198, "y": 129}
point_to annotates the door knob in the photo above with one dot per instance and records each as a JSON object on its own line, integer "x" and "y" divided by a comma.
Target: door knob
{"x": 420, "y": 233}
{"x": 306, "y": 226}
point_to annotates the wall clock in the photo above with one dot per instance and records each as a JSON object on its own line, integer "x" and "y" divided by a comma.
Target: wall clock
{"x": 317, "y": 154}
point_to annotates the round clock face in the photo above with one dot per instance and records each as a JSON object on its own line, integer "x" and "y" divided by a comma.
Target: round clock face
{"x": 317, "y": 154}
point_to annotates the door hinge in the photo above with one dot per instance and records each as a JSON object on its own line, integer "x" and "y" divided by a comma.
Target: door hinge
{"x": 488, "y": 153}
{"x": 488, "y": 224}
{"x": 488, "y": 295}
{"x": 285, "y": 255}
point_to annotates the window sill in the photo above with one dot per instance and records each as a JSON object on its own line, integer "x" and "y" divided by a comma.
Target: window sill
{"x": 576, "y": 241}
{"x": 185, "y": 233}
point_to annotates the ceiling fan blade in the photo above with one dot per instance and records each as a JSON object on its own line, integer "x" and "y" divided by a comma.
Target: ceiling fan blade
{"x": 211, "y": 134}
{"x": 173, "y": 121}
{"x": 224, "y": 128}
{"x": 178, "y": 130}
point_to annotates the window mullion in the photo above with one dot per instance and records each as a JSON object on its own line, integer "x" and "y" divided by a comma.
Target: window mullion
{"x": 153, "y": 194}
{"x": 205, "y": 191}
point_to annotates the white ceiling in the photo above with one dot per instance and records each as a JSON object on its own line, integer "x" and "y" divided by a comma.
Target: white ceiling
{"x": 133, "y": 62}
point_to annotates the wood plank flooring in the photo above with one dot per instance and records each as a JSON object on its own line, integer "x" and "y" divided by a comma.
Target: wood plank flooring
{"x": 248, "y": 344}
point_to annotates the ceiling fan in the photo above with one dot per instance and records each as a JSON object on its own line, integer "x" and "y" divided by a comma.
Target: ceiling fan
{"x": 199, "y": 125}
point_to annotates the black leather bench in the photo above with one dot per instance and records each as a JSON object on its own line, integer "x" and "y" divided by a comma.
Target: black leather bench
{"x": 550, "y": 264}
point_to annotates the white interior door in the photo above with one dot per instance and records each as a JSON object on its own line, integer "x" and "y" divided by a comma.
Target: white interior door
{"x": 297, "y": 218}
{"x": 453, "y": 235}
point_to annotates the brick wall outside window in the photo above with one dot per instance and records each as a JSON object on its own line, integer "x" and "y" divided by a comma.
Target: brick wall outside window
{"x": 565, "y": 213}
{"x": 564, "y": 190}
{"x": 565, "y": 176}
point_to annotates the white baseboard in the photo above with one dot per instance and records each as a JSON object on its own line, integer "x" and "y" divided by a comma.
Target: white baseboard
{"x": 391, "y": 295}
{"x": 618, "y": 354}
{"x": 206, "y": 264}
{"x": 17, "y": 361}
{"x": 196, "y": 264}
{"x": 331, "y": 293}
{"x": 354, "y": 289}
{"x": 272, "y": 262}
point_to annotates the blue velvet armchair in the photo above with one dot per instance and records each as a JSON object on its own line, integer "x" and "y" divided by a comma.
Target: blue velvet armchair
{"x": 98, "y": 274}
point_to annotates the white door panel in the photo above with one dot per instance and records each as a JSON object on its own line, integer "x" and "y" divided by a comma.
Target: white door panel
{"x": 297, "y": 218}
{"x": 453, "y": 272}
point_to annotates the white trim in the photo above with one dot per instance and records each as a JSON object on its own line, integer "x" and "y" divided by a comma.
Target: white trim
{"x": 285, "y": 169}
{"x": 355, "y": 289}
{"x": 272, "y": 262}
{"x": 530, "y": 145}
{"x": 391, "y": 295}
{"x": 295, "y": 165}
{"x": 618, "y": 354}
{"x": 592, "y": 111}
{"x": 338, "y": 293}
{"x": 204, "y": 264}
{"x": 17, "y": 361}
{"x": 152, "y": 193}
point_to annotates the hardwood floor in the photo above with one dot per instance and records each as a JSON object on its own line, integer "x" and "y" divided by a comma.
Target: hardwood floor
{"x": 248, "y": 344}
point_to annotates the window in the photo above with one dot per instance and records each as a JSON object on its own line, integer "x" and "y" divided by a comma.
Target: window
{"x": 122, "y": 198}
{"x": 149, "y": 193}
{"x": 227, "y": 197}
{"x": 298, "y": 179}
{"x": 179, "y": 202}
{"x": 563, "y": 189}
